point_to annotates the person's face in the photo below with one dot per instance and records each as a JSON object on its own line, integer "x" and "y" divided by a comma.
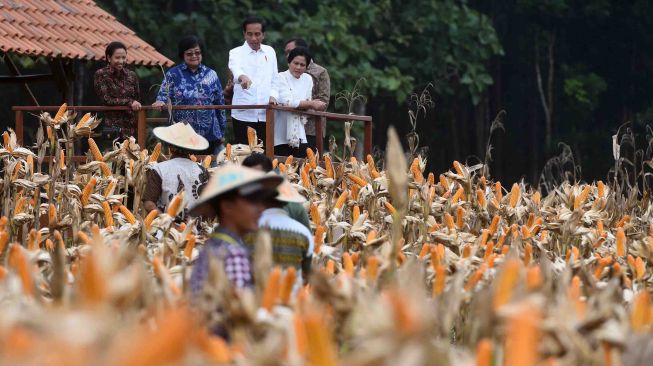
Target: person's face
{"x": 193, "y": 57}
{"x": 244, "y": 213}
{"x": 297, "y": 66}
{"x": 254, "y": 35}
{"x": 118, "y": 59}
{"x": 289, "y": 47}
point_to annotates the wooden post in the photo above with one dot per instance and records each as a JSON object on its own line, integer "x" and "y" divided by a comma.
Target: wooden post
{"x": 19, "y": 127}
{"x": 367, "y": 143}
{"x": 269, "y": 132}
{"x": 141, "y": 129}
{"x": 319, "y": 139}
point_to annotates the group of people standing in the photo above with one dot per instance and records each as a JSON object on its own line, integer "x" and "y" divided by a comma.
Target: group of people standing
{"x": 254, "y": 80}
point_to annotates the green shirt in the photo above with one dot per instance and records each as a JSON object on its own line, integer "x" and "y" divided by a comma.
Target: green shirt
{"x": 298, "y": 212}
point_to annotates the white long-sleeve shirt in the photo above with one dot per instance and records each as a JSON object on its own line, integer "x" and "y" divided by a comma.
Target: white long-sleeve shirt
{"x": 289, "y": 91}
{"x": 261, "y": 67}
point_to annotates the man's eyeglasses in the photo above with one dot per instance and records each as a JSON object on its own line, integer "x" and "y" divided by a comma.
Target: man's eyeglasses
{"x": 191, "y": 54}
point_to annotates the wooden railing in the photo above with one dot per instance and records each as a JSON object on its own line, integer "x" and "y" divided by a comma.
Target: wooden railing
{"x": 143, "y": 121}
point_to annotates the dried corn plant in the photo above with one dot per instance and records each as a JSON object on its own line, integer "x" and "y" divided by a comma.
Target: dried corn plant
{"x": 410, "y": 267}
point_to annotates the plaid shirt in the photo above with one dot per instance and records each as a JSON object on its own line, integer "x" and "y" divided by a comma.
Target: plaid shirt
{"x": 118, "y": 88}
{"x": 235, "y": 259}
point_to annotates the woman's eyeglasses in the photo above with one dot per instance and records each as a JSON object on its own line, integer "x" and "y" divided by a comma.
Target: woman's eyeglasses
{"x": 191, "y": 54}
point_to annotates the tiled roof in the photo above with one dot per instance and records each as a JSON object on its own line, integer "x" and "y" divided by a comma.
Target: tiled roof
{"x": 76, "y": 29}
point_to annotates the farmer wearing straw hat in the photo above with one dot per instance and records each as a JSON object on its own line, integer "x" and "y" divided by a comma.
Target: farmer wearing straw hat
{"x": 292, "y": 242}
{"x": 166, "y": 179}
{"x": 235, "y": 195}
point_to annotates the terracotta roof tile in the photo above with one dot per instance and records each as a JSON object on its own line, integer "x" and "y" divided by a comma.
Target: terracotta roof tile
{"x": 68, "y": 28}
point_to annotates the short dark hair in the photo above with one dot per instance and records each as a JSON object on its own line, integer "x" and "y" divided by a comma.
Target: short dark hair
{"x": 112, "y": 47}
{"x": 299, "y": 42}
{"x": 253, "y": 19}
{"x": 258, "y": 159}
{"x": 187, "y": 43}
{"x": 300, "y": 51}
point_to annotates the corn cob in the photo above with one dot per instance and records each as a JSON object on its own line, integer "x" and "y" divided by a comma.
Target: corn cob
{"x": 355, "y": 213}
{"x": 188, "y": 251}
{"x": 460, "y": 192}
{"x": 176, "y": 204}
{"x": 287, "y": 285}
{"x": 448, "y": 220}
{"x": 328, "y": 166}
{"x": 275, "y": 163}
{"x": 108, "y": 215}
{"x": 348, "y": 264}
{"x": 514, "y": 195}
{"x": 271, "y": 292}
{"x": 16, "y": 172}
{"x": 473, "y": 280}
{"x": 282, "y": 168}
{"x": 155, "y": 153}
{"x": 62, "y": 160}
{"x": 88, "y": 189}
{"x": 458, "y": 167}
{"x": 227, "y": 152}
{"x": 95, "y": 151}
{"x": 193, "y": 158}
{"x": 83, "y": 238}
{"x": 330, "y": 267}
{"x": 522, "y": 338}
{"x": 18, "y": 261}
{"x": 150, "y": 218}
{"x": 480, "y": 198}
{"x": 207, "y": 161}
{"x": 460, "y": 212}
{"x": 321, "y": 350}
{"x": 109, "y": 188}
{"x": 498, "y": 191}
{"x": 357, "y": 180}
{"x": 640, "y": 268}
{"x": 417, "y": 173}
{"x": 52, "y": 215}
{"x": 484, "y": 352}
{"x": 251, "y": 137}
{"x": 128, "y": 214}
{"x": 306, "y": 181}
{"x": 310, "y": 156}
{"x": 372, "y": 268}
{"x": 341, "y": 199}
{"x": 440, "y": 280}
{"x": 82, "y": 122}
{"x": 6, "y": 141}
{"x": 426, "y": 248}
{"x": 624, "y": 220}
{"x": 20, "y": 205}
{"x": 390, "y": 208}
{"x": 600, "y": 189}
{"x": 640, "y": 314}
{"x": 319, "y": 238}
{"x": 580, "y": 199}
{"x": 60, "y": 113}
{"x": 621, "y": 242}
{"x": 289, "y": 160}
{"x": 315, "y": 214}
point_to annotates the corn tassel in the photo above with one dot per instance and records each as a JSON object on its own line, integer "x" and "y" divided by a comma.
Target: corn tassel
{"x": 60, "y": 113}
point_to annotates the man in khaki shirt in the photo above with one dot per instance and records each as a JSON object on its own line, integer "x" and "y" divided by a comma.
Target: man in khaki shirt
{"x": 321, "y": 88}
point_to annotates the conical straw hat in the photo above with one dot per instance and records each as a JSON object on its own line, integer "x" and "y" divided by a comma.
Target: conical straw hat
{"x": 181, "y": 135}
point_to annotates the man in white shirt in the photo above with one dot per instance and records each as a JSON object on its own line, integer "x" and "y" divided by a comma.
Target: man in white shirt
{"x": 253, "y": 66}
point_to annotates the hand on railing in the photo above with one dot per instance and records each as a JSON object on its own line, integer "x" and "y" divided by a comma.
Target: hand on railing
{"x": 158, "y": 105}
{"x": 136, "y": 105}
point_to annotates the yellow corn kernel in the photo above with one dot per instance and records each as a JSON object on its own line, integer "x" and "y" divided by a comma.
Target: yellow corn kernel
{"x": 128, "y": 214}
{"x": 60, "y": 113}
{"x": 95, "y": 151}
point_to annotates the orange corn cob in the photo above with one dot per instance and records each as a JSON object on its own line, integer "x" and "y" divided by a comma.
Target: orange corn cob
{"x": 390, "y": 208}
{"x": 458, "y": 167}
{"x": 108, "y": 215}
{"x": 355, "y": 256}
{"x": 426, "y": 248}
{"x": 534, "y": 278}
{"x": 357, "y": 180}
{"x": 515, "y": 193}
{"x": 60, "y": 113}
{"x": 175, "y": 205}
{"x": 150, "y": 218}
{"x": 525, "y": 233}
{"x": 521, "y": 347}
{"x": 443, "y": 183}
{"x": 306, "y": 181}
{"x": 498, "y": 191}
{"x": 83, "y": 238}
{"x": 506, "y": 283}
{"x": 355, "y": 213}
{"x": 20, "y": 205}
{"x": 271, "y": 292}
{"x": 417, "y": 173}
{"x": 282, "y": 168}
{"x": 475, "y": 277}
{"x": 640, "y": 313}
{"x": 312, "y": 160}
{"x": 328, "y": 166}
{"x": 371, "y": 236}
{"x": 95, "y": 151}
{"x": 431, "y": 179}
{"x": 315, "y": 214}
{"x": 287, "y": 285}
{"x": 289, "y": 160}
{"x": 128, "y": 214}
{"x": 480, "y": 198}
{"x": 18, "y": 261}
{"x": 155, "y": 153}
{"x": 489, "y": 249}
{"x": 6, "y": 140}
{"x": 330, "y": 267}
{"x": 207, "y": 161}
{"x": 88, "y": 189}
{"x": 448, "y": 220}
{"x": 580, "y": 199}
{"x": 484, "y": 352}
{"x": 624, "y": 220}
{"x": 621, "y": 242}
{"x": 227, "y": 152}
{"x": 251, "y": 137}
{"x": 459, "y": 217}
{"x": 640, "y": 268}
{"x": 62, "y": 160}
{"x": 600, "y": 187}
{"x": 321, "y": 350}
{"x": 52, "y": 215}
{"x": 193, "y": 158}
{"x": 319, "y": 238}
{"x": 372, "y": 268}
{"x": 84, "y": 120}
{"x": 348, "y": 264}
{"x": 494, "y": 225}
{"x": 528, "y": 254}
{"x": 467, "y": 251}
{"x": 105, "y": 169}
{"x": 342, "y": 199}
{"x": 458, "y": 195}
{"x": 440, "y": 280}
{"x": 108, "y": 190}
{"x": 536, "y": 198}
{"x": 14, "y": 176}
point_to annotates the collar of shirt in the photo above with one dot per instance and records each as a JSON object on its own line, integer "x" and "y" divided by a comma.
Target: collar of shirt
{"x": 224, "y": 230}
{"x": 275, "y": 211}
{"x": 184, "y": 67}
{"x": 116, "y": 72}
{"x": 251, "y": 50}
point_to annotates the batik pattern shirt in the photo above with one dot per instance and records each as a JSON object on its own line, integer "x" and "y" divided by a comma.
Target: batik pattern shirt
{"x": 118, "y": 88}
{"x": 229, "y": 248}
{"x": 202, "y": 87}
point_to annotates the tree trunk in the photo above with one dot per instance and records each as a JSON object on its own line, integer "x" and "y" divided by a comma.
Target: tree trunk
{"x": 546, "y": 97}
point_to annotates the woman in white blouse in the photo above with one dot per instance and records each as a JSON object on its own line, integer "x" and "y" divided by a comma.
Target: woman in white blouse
{"x": 293, "y": 88}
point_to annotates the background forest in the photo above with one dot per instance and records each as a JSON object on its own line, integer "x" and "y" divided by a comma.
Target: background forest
{"x": 564, "y": 71}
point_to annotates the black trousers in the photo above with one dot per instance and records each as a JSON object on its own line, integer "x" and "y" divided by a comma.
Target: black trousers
{"x": 286, "y": 150}
{"x": 240, "y": 130}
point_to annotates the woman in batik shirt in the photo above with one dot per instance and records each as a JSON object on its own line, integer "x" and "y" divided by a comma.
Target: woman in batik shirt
{"x": 115, "y": 85}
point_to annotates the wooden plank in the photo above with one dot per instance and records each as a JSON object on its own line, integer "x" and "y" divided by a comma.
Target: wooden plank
{"x": 141, "y": 129}
{"x": 269, "y": 133}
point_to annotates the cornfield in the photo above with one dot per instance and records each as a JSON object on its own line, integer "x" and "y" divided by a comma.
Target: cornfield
{"x": 410, "y": 267}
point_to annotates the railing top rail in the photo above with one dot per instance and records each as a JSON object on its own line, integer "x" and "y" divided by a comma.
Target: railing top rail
{"x": 328, "y": 115}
